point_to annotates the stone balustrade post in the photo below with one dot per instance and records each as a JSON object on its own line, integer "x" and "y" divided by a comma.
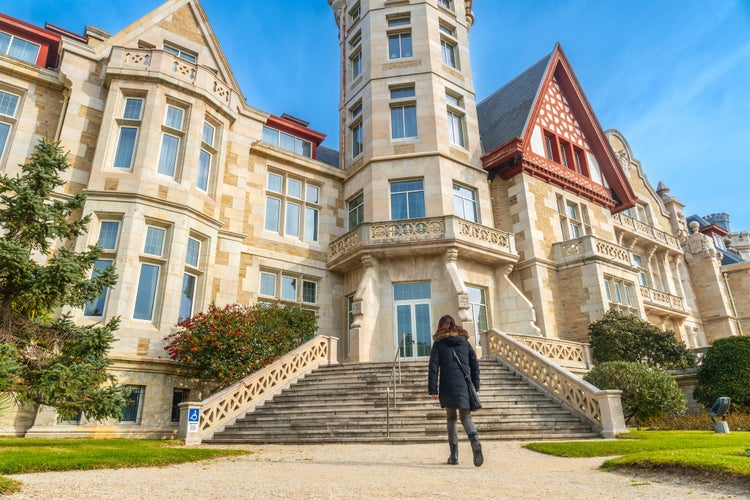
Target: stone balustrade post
{"x": 333, "y": 351}
{"x": 190, "y": 419}
{"x": 610, "y": 409}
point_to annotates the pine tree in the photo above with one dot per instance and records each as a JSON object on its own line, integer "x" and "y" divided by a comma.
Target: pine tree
{"x": 44, "y": 357}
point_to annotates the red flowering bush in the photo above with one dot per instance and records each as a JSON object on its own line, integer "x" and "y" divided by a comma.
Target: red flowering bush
{"x": 227, "y": 343}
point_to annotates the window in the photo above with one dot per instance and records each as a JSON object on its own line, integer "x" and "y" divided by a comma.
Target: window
{"x": 403, "y": 113}
{"x": 108, "y": 235}
{"x": 309, "y": 292}
{"x": 8, "y": 106}
{"x": 148, "y": 279}
{"x": 128, "y": 135}
{"x": 18, "y": 48}
{"x": 170, "y": 142}
{"x": 206, "y": 156}
{"x": 574, "y": 220}
{"x": 642, "y": 276}
{"x": 640, "y": 212}
{"x": 287, "y": 142}
{"x": 354, "y": 13}
{"x": 399, "y": 43}
{"x": 580, "y": 161}
{"x": 621, "y": 294}
{"x": 356, "y": 208}
{"x": 565, "y": 154}
{"x": 268, "y": 284}
{"x": 178, "y": 396}
{"x": 446, "y": 4}
{"x": 189, "y": 279}
{"x": 412, "y": 319}
{"x": 289, "y": 289}
{"x": 407, "y": 200}
{"x": 358, "y": 145}
{"x": 478, "y": 301}
{"x": 298, "y": 207}
{"x": 456, "y": 133}
{"x": 131, "y": 413}
{"x": 448, "y": 51}
{"x": 350, "y": 311}
{"x": 356, "y": 64}
{"x": 550, "y": 146}
{"x": 184, "y": 55}
{"x": 464, "y": 202}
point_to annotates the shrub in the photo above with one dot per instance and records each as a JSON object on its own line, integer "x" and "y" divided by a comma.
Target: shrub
{"x": 698, "y": 422}
{"x": 725, "y": 371}
{"x": 646, "y": 391}
{"x": 620, "y": 337}
{"x": 228, "y": 343}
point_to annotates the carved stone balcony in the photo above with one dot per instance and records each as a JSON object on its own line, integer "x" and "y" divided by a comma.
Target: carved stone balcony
{"x": 157, "y": 64}
{"x": 431, "y": 235}
{"x": 655, "y": 299}
{"x": 584, "y": 249}
{"x": 642, "y": 230}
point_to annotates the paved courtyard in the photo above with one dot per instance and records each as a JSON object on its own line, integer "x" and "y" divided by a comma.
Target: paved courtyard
{"x": 373, "y": 471}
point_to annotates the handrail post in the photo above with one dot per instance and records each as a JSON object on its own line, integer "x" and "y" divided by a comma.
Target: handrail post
{"x": 392, "y": 380}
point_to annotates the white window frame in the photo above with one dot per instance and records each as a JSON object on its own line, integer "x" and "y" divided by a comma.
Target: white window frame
{"x": 9, "y": 50}
{"x": 295, "y": 214}
{"x": 127, "y": 123}
{"x": 408, "y": 193}
{"x": 170, "y": 160}
{"x": 461, "y": 201}
{"x": 356, "y": 207}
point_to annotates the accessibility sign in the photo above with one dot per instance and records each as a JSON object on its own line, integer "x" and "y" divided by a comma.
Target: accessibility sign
{"x": 194, "y": 415}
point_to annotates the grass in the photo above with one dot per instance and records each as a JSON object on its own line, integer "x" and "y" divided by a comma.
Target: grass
{"x": 23, "y": 455}
{"x": 701, "y": 454}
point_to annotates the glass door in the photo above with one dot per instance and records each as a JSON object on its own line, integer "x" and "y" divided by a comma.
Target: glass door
{"x": 413, "y": 329}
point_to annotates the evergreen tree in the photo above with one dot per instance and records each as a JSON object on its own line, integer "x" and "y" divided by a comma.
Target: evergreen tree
{"x": 44, "y": 357}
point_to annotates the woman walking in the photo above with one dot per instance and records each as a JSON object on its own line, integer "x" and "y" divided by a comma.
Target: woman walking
{"x": 453, "y": 392}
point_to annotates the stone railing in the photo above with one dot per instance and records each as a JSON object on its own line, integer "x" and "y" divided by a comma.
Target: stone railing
{"x": 158, "y": 61}
{"x": 643, "y": 229}
{"x": 201, "y": 420}
{"x": 571, "y": 355}
{"x": 602, "y": 408}
{"x": 433, "y": 228}
{"x": 662, "y": 299}
{"x": 587, "y": 247}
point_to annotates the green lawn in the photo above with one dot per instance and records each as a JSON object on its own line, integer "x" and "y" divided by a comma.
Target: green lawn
{"x": 686, "y": 452}
{"x": 19, "y": 455}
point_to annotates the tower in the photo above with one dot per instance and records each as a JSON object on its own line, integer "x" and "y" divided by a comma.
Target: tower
{"x": 421, "y": 239}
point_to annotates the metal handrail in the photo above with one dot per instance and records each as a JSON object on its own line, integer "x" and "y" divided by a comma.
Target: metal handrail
{"x": 392, "y": 380}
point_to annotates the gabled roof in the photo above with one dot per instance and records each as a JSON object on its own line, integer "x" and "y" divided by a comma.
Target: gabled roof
{"x": 504, "y": 114}
{"x": 507, "y": 120}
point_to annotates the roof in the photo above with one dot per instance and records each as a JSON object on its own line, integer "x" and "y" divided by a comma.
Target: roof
{"x": 503, "y": 115}
{"x": 328, "y": 156}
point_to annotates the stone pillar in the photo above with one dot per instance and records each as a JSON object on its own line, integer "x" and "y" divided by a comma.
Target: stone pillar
{"x": 610, "y": 409}
{"x": 190, "y": 416}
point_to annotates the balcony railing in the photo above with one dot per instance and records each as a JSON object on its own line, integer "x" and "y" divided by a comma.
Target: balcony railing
{"x": 588, "y": 247}
{"x": 640, "y": 228}
{"x": 662, "y": 299}
{"x": 153, "y": 61}
{"x": 448, "y": 228}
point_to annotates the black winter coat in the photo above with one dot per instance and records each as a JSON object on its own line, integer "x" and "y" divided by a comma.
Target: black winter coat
{"x": 453, "y": 392}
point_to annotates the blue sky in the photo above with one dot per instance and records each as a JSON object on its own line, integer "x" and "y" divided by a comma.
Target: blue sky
{"x": 672, "y": 75}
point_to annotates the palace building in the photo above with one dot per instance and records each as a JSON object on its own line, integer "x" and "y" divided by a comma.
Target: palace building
{"x": 516, "y": 211}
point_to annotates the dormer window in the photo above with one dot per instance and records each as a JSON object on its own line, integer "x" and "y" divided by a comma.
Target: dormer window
{"x": 182, "y": 54}
{"x": 18, "y": 48}
{"x": 285, "y": 141}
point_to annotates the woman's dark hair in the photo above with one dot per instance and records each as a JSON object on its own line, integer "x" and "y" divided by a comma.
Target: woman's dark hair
{"x": 448, "y": 324}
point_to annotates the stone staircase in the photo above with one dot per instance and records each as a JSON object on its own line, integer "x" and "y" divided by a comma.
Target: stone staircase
{"x": 347, "y": 403}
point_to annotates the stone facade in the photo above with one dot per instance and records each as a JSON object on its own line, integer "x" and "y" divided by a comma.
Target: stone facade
{"x": 413, "y": 221}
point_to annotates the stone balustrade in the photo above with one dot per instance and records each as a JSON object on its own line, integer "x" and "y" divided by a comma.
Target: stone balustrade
{"x": 661, "y": 299}
{"x": 449, "y": 227}
{"x": 642, "y": 229}
{"x": 587, "y": 247}
{"x": 567, "y": 353}
{"x": 157, "y": 61}
{"x": 603, "y": 408}
{"x": 224, "y": 407}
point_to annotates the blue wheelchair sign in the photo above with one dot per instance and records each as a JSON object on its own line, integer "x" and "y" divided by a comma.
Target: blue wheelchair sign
{"x": 194, "y": 415}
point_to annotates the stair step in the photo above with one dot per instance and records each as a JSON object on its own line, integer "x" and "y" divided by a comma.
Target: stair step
{"x": 347, "y": 403}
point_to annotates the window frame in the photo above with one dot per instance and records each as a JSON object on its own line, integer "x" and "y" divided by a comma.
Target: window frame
{"x": 473, "y": 202}
{"x": 409, "y": 206}
{"x": 285, "y": 222}
{"x": 28, "y": 43}
{"x": 358, "y": 210}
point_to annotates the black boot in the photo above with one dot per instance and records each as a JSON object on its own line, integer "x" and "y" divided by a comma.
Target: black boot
{"x": 476, "y": 448}
{"x": 453, "y": 459}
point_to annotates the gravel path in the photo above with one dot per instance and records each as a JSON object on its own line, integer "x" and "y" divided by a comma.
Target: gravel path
{"x": 371, "y": 471}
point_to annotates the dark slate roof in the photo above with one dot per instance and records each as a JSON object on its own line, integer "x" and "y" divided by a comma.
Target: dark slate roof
{"x": 503, "y": 115}
{"x": 328, "y": 155}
